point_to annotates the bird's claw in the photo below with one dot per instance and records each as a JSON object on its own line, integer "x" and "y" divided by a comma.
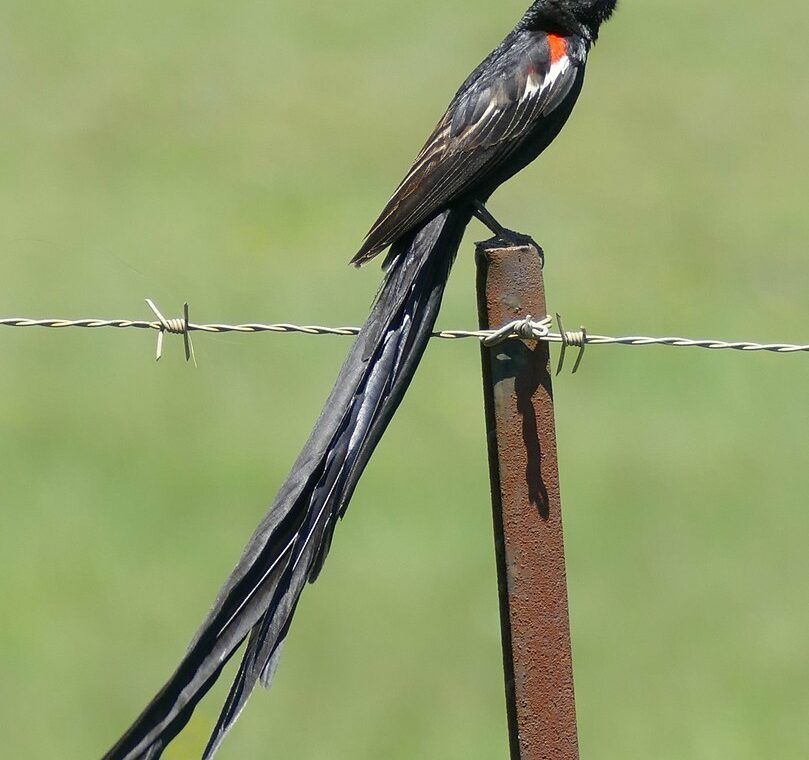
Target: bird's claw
{"x": 513, "y": 239}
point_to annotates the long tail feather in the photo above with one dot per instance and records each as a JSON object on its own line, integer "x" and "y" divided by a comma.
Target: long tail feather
{"x": 291, "y": 543}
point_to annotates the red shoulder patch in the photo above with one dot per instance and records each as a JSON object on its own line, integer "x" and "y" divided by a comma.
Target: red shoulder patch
{"x": 558, "y": 47}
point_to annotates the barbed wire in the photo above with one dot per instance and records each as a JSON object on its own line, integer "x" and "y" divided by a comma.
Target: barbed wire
{"x": 524, "y": 329}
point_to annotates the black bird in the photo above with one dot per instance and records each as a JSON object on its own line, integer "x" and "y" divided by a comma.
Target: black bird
{"x": 506, "y": 113}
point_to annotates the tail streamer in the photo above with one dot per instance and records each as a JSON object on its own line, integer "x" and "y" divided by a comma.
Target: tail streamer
{"x": 290, "y": 545}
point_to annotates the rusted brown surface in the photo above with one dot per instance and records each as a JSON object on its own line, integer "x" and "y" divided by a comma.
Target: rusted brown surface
{"x": 527, "y": 512}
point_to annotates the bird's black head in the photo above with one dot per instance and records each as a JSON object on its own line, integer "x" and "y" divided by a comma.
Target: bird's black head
{"x": 573, "y": 16}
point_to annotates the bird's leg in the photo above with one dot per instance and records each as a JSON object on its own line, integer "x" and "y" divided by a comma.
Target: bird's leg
{"x": 482, "y": 213}
{"x": 501, "y": 233}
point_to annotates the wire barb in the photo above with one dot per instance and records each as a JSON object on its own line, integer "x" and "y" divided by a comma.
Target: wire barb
{"x": 176, "y": 326}
{"x": 577, "y": 338}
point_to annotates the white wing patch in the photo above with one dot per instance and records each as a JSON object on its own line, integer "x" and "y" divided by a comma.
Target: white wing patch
{"x": 534, "y": 84}
{"x": 537, "y": 97}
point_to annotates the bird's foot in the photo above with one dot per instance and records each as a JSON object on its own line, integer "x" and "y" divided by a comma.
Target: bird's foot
{"x": 511, "y": 239}
{"x": 503, "y": 235}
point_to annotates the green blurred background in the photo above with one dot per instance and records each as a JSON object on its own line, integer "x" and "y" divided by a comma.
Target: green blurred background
{"x": 233, "y": 155}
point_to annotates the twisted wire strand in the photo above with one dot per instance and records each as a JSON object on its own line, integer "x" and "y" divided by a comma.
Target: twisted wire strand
{"x": 177, "y": 326}
{"x": 525, "y": 329}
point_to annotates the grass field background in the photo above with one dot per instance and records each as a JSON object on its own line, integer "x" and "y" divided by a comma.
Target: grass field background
{"x": 233, "y": 155}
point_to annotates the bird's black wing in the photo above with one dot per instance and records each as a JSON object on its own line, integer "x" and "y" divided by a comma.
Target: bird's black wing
{"x": 499, "y": 106}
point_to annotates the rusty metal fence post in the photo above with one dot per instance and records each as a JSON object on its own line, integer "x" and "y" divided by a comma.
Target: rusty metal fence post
{"x": 527, "y": 511}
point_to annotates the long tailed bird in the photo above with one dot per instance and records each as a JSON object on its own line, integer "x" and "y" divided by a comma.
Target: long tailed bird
{"x": 505, "y": 114}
